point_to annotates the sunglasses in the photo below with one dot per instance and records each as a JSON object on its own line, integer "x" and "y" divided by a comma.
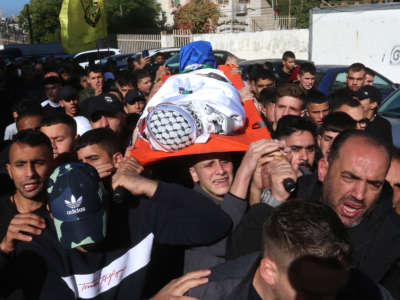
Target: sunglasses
{"x": 134, "y": 100}
{"x": 69, "y": 99}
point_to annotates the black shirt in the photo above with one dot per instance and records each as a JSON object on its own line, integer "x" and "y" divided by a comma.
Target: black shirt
{"x": 381, "y": 128}
{"x": 8, "y": 211}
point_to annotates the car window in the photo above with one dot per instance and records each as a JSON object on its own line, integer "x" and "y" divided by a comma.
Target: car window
{"x": 382, "y": 84}
{"x": 339, "y": 82}
{"x": 82, "y": 58}
{"x": 391, "y": 105}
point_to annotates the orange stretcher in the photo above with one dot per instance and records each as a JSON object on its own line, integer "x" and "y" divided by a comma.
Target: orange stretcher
{"x": 254, "y": 130}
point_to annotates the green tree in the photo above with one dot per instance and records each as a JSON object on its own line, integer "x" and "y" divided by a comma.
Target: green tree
{"x": 127, "y": 16}
{"x": 44, "y": 16}
{"x": 200, "y": 16}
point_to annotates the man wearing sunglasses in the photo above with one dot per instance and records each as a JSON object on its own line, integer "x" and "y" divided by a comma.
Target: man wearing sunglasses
{"x": 353, "y": 108}
{"x": 106, "y": 111}
{"x": 70, "y": 103}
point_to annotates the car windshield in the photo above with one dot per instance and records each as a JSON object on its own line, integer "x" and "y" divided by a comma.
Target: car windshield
{"x": 392, "y": 105}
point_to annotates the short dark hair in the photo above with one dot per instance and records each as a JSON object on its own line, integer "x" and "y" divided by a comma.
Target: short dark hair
{"x": 292, "y": 90}
{"x": 104, "y": 137}
{"x": 32, "y": 138}
{"x": 337, "y": 122}
{"x": 264, "y": 74}
{"x": 125, "y": 78}
{"x": 317, "y": 97}
{"x": 252, "y": 71}
{"x": 93, "y": 69}
{"x": 307, "y": 67}
{"x": 267, "y": 95}
{"x": 287, "y": 125}
{"x": 369, "y": 71}
{"x": 59, "y": 118}
{"x": 349, "y": 101}
{"x": 51, "y": 80}
{"x": 288, "y": 54}
{"x": 356, "y": 67}
{"x": 372, "y": 139}
{"x": 301, "y": 227}
{"x": 140, "y": 74}
{"x": 27, "y": 106}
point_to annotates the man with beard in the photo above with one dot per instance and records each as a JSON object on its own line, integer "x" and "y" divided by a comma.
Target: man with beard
{"x": 354, "y": 186}
{"x": 299, "y": 135}
{"x": 23, "y": 213}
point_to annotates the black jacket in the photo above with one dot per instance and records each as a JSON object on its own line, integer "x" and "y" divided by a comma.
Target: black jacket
{"x": 233, "y": 280}
{"x": 174, "y": 215}
{"x": 375, "y": 241}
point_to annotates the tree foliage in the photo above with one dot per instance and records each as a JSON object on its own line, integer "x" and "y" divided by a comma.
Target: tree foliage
{"x": 123, "y": 16}
{"x": 45, "y": 23}
{"x": 127, "y": 16}
{"x": 200, "y": 16}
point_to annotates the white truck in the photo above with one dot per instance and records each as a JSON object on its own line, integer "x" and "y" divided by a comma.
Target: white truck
{"x": 364, "y": 33}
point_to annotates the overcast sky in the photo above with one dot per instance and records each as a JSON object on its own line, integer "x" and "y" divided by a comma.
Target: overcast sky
{"x": 12, "y": 7}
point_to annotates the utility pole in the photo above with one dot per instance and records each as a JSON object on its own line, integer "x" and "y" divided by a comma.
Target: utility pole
{"x": 29, "y": 23}
{"x": 290, "y": 6}
{"x": 232, "y": 14}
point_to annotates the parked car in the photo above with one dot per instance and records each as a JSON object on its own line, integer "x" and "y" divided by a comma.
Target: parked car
{"x": 390, "y": 110}
{"x": 121, "y": 60}
{"x": 331, "y": 77}
{"x": 173, "y": 62}
{"x": 95, "y": 55}
{"x": 276, "y": 63}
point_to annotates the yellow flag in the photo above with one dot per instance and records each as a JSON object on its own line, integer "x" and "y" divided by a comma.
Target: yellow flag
{"x": 83, "y": 23}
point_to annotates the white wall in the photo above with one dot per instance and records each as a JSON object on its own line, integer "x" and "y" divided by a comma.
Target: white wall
{"x": 260, "y": 45}
{"x": 358, "y": 35}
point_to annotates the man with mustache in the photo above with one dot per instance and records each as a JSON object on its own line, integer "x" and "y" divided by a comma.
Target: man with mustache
{"x": 299, "y": 135}
{"x": 353, "y": 185}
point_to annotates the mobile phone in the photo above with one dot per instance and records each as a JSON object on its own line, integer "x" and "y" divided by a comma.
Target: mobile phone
{"x": 145, "y": 53}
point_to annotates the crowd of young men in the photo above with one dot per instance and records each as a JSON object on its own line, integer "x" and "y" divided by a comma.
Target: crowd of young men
{"x": 313, "y": 213}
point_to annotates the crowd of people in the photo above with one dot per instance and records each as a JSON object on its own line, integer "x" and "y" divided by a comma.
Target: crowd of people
{"x": 310, "y": 211}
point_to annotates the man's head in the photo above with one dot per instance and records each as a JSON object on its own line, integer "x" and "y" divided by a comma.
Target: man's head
{"x": 69, "y": 100}
{"x": 353, "y": 108}
{"x": 299, "y": 134}
{"x": 214, "y": 173}
{"x": 95, "y": 78}
{"x": 288, "y": 61}
{"x": 333, "y": 124}
{"x": 262, "y": 79}
{"x": 99, "y": 147}
{"x": 296, "y": 229}
{"x": 125, "y": 82}
{"x": 393, "y": 176}
{"x": 134, "y": 102}
{"x": 61, "y": 130}
{"x": 355, "y": 77}
{"x": 106, "y": 111}
{"x": 159, "y": 59}
{"x": 290, "y": 100}
{"x": 369, "y": 76}
{"x": 30, "y": 119}
{"x": 52, "y": 87}
{"x": 354, "y": 174}
{"x": 317, "y": 106}
{"x": 266, "y": 102}
{"x": 369, "y": 97}
{"x": 83, "y": 80}
{"x": 30, "y": 162}
{"x": 306, "y": 76}
{"x": 143, "y": 81}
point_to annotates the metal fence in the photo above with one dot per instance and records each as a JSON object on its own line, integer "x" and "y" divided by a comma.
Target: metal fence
{"x": 285, "y": 22}
{"x": 182, "y": 37}
{"x": 132, "y": 43}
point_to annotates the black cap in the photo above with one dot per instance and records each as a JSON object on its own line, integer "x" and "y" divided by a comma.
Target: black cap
{"x": 134, "y": 95}
{"x": 107, "y": 103}
{"x": 370, "y": 92}
{"x": 68, "y": 92}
